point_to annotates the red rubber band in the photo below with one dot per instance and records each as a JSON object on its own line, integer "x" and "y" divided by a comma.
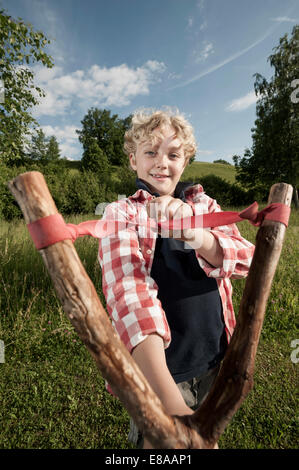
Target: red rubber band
{"x": 48, "y": 230}
{"x": 53, "y": 229}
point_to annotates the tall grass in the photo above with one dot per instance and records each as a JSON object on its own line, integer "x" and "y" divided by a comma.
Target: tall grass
{"x": 53, "y": 396}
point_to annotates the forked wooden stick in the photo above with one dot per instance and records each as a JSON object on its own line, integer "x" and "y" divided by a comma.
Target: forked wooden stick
{"x": 86, "y": 313}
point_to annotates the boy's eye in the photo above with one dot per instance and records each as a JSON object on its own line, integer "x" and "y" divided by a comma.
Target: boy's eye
{"x": 150, "y": 153}
{"x": 174, "y": 155}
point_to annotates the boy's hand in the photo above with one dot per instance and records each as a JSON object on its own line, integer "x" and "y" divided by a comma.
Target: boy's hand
{"x": 168, "y": 208}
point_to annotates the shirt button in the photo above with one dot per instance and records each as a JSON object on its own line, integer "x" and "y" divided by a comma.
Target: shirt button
{"x": 148, "y": 252}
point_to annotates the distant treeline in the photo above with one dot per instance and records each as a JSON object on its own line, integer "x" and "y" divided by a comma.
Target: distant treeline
{"x": 77, "y": 191}
{"x": 220, "y": 160}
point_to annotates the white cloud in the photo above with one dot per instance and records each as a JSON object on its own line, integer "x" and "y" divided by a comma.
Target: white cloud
{"x": 205, "y": 50}
{"x": 244, "y": 102}
{"x": 226, "y": 61}
{"x": 201, "y": 4}
{"x": 203, "y": 26}
{"x": 44, "y": 74}
{"x": 67, "y": 133}
{"x": 281, "y": 19}
{"x": 52, "y": 24}
{"x": 190, "y": 22}
{"x": 67, "y": 139}
{"x": 174, "y": 76}
{"x": 52, "y": 105}
{"x": 98, "y": 86}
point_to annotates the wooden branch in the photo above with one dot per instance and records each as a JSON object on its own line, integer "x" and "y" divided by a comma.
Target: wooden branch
{"x": 86, "y": 313}
{"x": 235, "y": 379}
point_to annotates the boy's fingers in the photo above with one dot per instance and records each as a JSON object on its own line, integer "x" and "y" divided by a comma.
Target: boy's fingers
{"x": 152, "y": 209}
{"x": 175, "y": 208}
{"x": 163, "y": 208}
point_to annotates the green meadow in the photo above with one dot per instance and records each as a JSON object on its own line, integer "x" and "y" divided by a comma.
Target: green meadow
{"x": 199, "y": 169}
{"x": 52, "y": 394}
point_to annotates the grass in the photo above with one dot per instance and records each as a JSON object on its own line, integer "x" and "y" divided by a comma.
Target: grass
{"x": 198, "y": 169}
{"x": 53, "y": 396}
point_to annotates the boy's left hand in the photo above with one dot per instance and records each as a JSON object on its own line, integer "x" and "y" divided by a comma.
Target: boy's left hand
{"x": 169, "y": 208}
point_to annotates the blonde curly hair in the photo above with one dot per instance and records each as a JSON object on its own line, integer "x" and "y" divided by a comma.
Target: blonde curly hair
{"x": 145, "y": 121}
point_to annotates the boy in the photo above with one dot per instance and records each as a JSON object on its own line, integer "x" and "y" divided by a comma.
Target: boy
{"x": 168, "y": 293}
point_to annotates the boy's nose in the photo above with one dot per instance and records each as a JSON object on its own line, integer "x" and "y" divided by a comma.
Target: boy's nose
{"x": 161, "y": 161}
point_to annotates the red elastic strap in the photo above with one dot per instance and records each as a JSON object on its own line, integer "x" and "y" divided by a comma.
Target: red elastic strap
{"x": 52, "y": 229}
{"x": 276, "y": 212}
{"x": 49, "y": 230}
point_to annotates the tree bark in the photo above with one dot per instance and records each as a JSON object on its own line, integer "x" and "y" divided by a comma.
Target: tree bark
{"x": 86, "y": 313}
{"x": 235, "y": 379}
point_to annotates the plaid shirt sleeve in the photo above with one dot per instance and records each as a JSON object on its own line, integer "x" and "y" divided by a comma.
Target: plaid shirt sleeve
{"x": 237, "y": 251}
{"x": 131, "y": 294}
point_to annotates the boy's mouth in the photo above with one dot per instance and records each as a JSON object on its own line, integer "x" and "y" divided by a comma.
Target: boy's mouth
{"x": 160, "y": 177}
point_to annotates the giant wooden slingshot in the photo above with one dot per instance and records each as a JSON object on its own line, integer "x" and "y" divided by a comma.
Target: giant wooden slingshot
{"x": 87, "y": 315}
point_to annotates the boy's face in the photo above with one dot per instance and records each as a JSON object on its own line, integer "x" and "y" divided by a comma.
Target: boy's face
{"x": 160, "y": 164}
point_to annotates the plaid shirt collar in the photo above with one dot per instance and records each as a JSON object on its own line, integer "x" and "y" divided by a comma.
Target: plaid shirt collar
{"x": 183, "y": 189}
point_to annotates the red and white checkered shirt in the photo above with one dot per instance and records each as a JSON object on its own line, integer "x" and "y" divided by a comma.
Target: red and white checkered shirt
{"x": 126, "y": 259}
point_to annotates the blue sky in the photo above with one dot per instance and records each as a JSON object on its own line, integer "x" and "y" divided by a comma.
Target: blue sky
{"x": 196, "y": 55}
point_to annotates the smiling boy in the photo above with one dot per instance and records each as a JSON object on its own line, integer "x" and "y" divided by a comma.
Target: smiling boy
{"x": 169, "y": 294}
{"x": 160, "y": 162}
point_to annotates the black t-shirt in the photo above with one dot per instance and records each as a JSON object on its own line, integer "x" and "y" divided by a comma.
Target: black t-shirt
{"x": 192, "y": 305}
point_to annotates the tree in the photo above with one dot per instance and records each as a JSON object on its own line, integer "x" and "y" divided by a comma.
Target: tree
{"x": 108, "y": 130}
{"x": 20, "y": 46}
{"x": 53, "y": 152}
{"x": 38, "y": 147}
{"x": 221, "y": 160}
{"x": 95, "y": 160}
{"x": 274, "y": 155}
{"x": 43, "y": 149}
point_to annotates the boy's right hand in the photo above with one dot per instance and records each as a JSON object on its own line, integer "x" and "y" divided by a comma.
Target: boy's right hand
{"x": 182, "y": 412}
{"x": 150, "y": 357}
{"x": 167, "y": 208}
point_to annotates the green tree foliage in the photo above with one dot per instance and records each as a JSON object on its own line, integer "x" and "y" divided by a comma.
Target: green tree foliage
{"x": 94, "y": 159}
{"x": 38, "y": 147}
{"x": 220, "y": 160}
{"x": 20, "y": 46}
{"x": 53, "y": 151}
{"x": 43, "y": 149}
{"x": 73, "y": 192}
{"x": 108, "y": 130}
{"x": 226, "y": 194}
{"x": 274, "y": 155}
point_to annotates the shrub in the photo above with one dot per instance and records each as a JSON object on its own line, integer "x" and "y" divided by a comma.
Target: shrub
{"x": 225, "y": 193}
{"x": 73, "y": 193}
{"x": 9, "y": 208}
{"x": 83, "y": 192}
{"x": 127, "y": 181}
{"x": 220, "y": 160}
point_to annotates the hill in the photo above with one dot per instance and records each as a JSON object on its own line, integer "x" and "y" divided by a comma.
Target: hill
{"x": 197, "y": 169}
{"x": 193, "y": 171}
